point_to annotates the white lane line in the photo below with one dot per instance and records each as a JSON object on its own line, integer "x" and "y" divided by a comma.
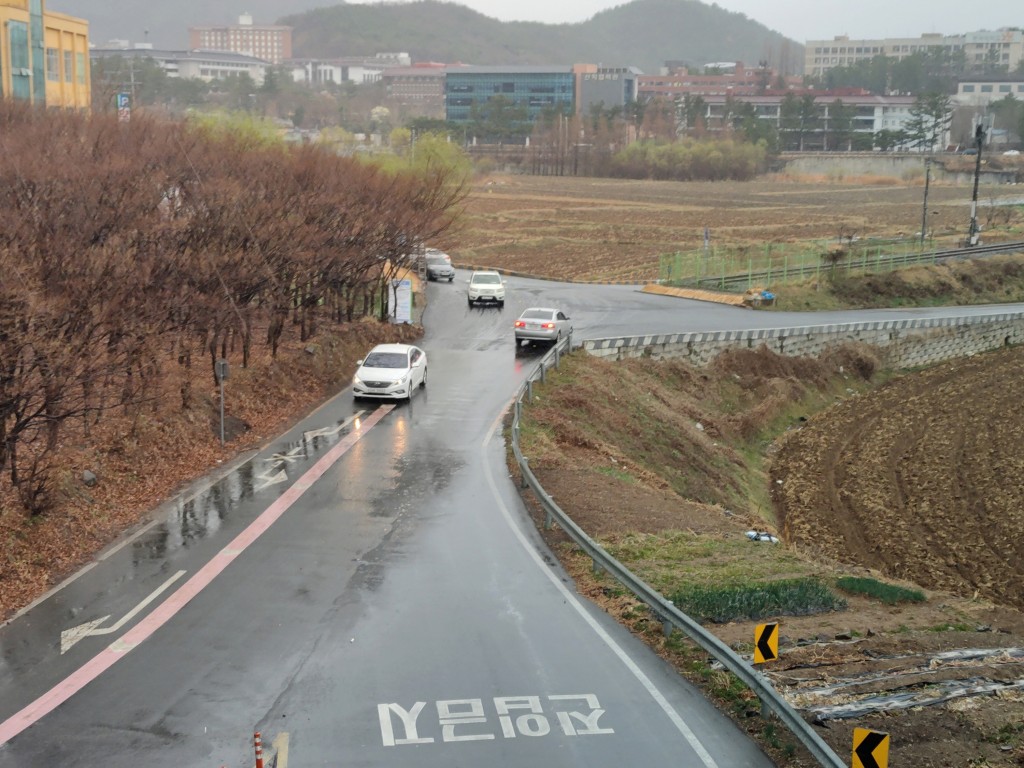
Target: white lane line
{"x": 69, "y": 637}
{"x": 570, "y": 598}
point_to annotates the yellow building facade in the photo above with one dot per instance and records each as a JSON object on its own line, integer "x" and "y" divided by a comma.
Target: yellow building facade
{"x": 44, "y": 56}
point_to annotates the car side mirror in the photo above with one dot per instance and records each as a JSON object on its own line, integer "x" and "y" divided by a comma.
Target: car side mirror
{"x": 358, "y": 363}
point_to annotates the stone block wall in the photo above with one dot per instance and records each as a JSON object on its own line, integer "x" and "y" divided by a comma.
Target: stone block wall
{"x": 901, "y": 343}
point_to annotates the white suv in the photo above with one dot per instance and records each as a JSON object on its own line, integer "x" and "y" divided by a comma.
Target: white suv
{"x": 486, "y": 287}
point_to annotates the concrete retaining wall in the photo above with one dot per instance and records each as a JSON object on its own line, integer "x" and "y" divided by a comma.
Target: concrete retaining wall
{"x": 902, "y": 343}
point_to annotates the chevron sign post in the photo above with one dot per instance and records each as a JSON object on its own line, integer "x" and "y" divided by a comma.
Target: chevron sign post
{"x": 766, "y": 643}
{"x": 870, "y": 749}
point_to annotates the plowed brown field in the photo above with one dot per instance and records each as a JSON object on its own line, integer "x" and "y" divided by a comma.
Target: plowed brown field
{"x": 922, "y": 480}
{"x": 613, "y": 229}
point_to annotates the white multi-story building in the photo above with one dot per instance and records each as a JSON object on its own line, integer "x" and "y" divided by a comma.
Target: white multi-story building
{"x": 191, "y": 65}
{"x": 354, "y": 69}
{"x": 870, "y": 114}
{"x": 1003, "y": 47}
{"x": 982, "y": 91}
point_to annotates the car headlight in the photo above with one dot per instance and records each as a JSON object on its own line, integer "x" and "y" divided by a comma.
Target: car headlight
{"x": 403, "y": 380}
{"x": 356, "y": 380}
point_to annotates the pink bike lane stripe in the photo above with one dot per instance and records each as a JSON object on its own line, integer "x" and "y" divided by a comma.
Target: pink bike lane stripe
{"x": 117, "y": 650}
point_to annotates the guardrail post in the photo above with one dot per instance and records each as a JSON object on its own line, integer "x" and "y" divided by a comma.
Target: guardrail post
{"x": 549, "y": 519}
{"x": 529, "y": 391}
{"x": 595, "y": 566}
{"x": 558, "y": 355}
{"x": 519, "y": 412}
{"x": 666, "y": 623}
{"x": 543, "y": 372}
{"x": 522, "y": 472}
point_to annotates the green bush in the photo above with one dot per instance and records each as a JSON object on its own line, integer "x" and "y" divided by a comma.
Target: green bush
{"x": 786, "y": 597}
{"x": 887, "y": 593}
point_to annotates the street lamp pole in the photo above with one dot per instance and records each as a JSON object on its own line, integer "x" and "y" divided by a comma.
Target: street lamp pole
{"x": 924, "y": 213}
{"x": 972, "y": 235}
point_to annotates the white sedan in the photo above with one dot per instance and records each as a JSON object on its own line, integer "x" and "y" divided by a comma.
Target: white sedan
{"x": 390, "y": 372}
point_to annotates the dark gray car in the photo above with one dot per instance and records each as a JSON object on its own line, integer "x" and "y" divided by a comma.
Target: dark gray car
{"x": 439, "y": 268}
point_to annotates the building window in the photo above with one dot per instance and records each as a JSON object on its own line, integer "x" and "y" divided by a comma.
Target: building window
{"x": 986, "y": 89}
{"x": 968, "y": 89}
{"x": 69, "y": 67}
{"x": 52, "y": 65}
{"x": 80, "y": 68}
{"x": 1004, "y": 89}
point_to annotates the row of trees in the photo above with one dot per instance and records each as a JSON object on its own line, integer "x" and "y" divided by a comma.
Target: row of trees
{"x": 129, "y": 247}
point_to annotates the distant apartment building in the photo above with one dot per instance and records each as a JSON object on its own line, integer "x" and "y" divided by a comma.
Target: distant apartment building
{"x": 261, "y": 41}
{"x": 1003, "y": 47}
{"x": 871, "y": 114}
{"x": 980, "y": 92}
{"x": 736, "y": 78}
{"x": 192, "y": 65}
{"x": 44, "y": 55}
{"x": 421, "y": 86}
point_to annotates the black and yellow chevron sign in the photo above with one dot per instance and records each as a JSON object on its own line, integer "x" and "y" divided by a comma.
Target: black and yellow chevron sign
{"x": 870, "y": 749}
{"x": 766, "y": 643}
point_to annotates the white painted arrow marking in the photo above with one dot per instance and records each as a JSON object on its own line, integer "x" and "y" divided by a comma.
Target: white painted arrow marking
{"x": 71, "y": 636}
{"x": 324, "y": 431}
{"x": 278, "y": 460}
{"x": 287, "y": 457}
{"x": 268, "y": 480}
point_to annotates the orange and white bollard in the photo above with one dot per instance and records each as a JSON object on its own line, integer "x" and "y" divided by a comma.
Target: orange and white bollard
{"x": 258, "y": 742}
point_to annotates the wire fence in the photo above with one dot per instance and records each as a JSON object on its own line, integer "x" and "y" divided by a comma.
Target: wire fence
{"x": 736, "y": 267}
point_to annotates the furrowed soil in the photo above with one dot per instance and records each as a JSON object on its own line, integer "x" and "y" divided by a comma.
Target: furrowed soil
{"x": 917, "y": 484}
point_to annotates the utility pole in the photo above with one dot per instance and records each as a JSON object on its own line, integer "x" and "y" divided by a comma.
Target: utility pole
{"x": 924, "y": 213}
{"x": 972, "y": 235}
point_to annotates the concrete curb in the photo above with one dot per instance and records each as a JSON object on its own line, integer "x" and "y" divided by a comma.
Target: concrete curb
{"x": 697, "y": 295}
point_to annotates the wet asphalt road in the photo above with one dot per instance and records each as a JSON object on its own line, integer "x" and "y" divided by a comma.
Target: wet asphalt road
{"x": 401, "y": 611}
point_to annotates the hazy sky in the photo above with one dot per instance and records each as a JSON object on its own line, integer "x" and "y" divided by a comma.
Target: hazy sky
{"x": 800, "y": 19}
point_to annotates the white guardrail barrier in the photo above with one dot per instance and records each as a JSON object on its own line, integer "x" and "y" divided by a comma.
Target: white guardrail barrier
{"x": 670, "y": 616}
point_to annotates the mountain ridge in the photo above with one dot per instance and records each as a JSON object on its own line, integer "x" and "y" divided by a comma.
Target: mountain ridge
{"x": 641, "y": 33}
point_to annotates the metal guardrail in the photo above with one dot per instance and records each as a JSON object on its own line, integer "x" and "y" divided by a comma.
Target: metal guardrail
{"x": 671, "y": 617}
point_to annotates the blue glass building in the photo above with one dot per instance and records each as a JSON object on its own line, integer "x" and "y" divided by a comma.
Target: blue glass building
{"x": 538, "y": 89}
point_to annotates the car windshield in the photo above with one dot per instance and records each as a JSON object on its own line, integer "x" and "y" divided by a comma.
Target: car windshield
{"x": 437, "y": 260}
{"x": 537, "y": 314}
{"x": 386, "y": 360}
{"x": 486, "y": 279}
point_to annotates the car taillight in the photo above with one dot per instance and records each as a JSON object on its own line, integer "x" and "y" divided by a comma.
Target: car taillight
{"x": 547, "y": 326}
{"x": 520, "y": 324}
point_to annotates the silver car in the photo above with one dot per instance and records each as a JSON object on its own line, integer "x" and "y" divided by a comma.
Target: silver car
{"x": 439, "y": 268}
{"x": 542, "y": 324}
